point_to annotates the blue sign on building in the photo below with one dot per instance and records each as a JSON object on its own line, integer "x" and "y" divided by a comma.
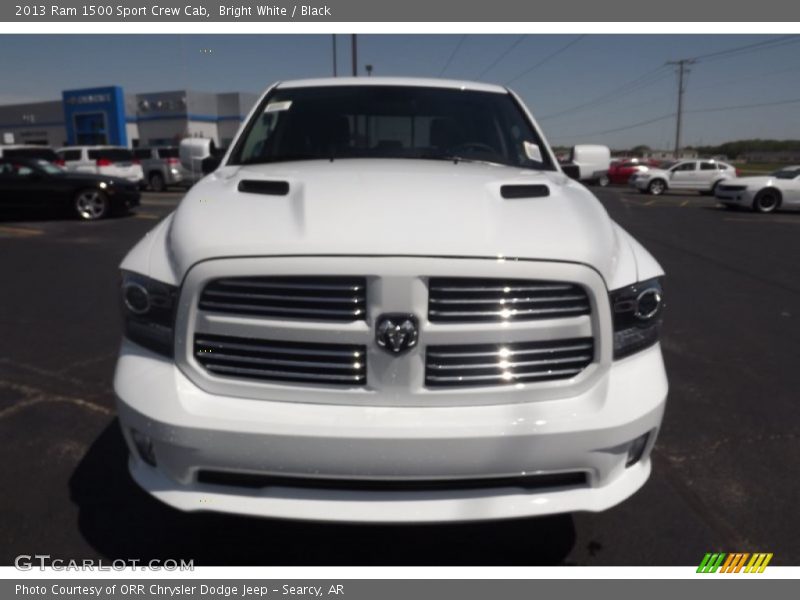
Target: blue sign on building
{"x": 95, "y": 116}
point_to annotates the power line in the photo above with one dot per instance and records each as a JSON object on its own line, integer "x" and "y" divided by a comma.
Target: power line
{"x": 502, "y": 56}
{"x": 546, "y": 59}
{"x": 738, "y": 80}
{"x": 452, "y": 55}
{"x": 647, "y": 79}
{"x": 693, "y": 111}
{"x": 626, "y": 127}
{"x": 741, "y": 106}
{"x": 683, "y": 64}
{"x": 780, "y": 41}
{"x": 652, "y": 77}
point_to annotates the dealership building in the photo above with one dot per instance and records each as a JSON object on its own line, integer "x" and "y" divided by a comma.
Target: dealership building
{"x": 107, "y": 115}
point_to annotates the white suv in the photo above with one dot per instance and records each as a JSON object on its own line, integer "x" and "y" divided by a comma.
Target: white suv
{"x": 113, "y": 161}
{"x": 388, "y": 303}
{"x": 693, "y": 175}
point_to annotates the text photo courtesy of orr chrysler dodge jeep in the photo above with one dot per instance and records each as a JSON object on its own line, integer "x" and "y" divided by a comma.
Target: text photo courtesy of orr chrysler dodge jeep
{"x": 388, "y": 303}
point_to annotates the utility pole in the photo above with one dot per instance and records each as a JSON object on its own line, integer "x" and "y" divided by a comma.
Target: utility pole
{"x": 333, "y": 37}
{"x": 681, "y": 88}
{"x": 354, "y": 44}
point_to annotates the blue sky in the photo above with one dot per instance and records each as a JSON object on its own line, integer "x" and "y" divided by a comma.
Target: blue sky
{"x": 585, "y": 88}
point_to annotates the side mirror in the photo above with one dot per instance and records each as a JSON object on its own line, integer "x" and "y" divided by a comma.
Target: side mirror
{"x": 210, "y": 164}
{"x": 572, "y": 171}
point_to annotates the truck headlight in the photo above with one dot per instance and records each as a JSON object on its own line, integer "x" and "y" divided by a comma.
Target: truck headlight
{"x": 636, "y": 311}
{"x": 148, "y": 308}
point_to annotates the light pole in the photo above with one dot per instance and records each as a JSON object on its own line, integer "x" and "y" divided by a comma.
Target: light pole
{"x": 333, "y": 39}
{"x": 681, "y": 70}
{"x": 354, "y": 45}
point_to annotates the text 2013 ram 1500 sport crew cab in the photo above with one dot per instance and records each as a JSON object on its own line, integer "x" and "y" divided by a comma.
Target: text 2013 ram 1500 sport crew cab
{"x": 389, "y": 303}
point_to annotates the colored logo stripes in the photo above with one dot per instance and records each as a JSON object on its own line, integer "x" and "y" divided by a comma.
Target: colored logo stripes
{"x": 734, "y": 562}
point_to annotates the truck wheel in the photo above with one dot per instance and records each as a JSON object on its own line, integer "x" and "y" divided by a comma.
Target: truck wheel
{"x": 766, "y": 201}
{"x": 91, "y": 205}
{"x": 657, "y": 187}
{"x": 157, "y": 183}
{"x": 603, "y": 181}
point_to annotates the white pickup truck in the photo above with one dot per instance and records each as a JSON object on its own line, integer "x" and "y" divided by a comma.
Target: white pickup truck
{"x": 388, "y": 303}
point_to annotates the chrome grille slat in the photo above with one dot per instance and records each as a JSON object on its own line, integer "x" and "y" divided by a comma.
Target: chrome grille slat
{"x": 510, "y": 313}
{"x": 489, "y": 288}
{"x": 466, "y": 379}
{"x": 510, "y": 300}
{"x": 281, "y": 310}
{"x": 466, "y": 300}
{"x": 321, "y": 299}
{"x": 515, "y": 365}
{"x": 331, "y": 364}
{"x": 449, "y": 366}
{"x": 504, "y": 352}
{"x": 284, "y": 376}
{"x": 265, "y": 347}
{"x": 256, "y": 283}
{"x": 311, "y": 297}
{"x": 279, "y": 362}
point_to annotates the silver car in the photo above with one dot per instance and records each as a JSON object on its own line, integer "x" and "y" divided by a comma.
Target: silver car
{"x": 162, "y": 168}
{"x": 696, "y": 175}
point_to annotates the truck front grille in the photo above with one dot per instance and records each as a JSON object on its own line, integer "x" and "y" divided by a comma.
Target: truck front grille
{"x": 466, "y": 300}
{"x": 320, "y": 298}
{"x": 498, "y": 364}
{"x": 312, "y": 363}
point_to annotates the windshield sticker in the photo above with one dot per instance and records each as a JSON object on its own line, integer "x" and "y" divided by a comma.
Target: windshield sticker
{"x": 532, "y": 151}
{"x": 278, "y": 106}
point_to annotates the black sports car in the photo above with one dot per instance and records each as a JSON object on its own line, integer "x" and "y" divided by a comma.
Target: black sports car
{"x": 33, "y": 183}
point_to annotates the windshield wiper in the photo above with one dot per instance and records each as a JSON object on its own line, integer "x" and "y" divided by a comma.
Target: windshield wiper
{"x": 455, "y": 159}
{"x": 286, "y": 158}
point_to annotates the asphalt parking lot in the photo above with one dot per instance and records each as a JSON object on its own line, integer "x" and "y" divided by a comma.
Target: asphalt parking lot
{"x": 726, "y": 463}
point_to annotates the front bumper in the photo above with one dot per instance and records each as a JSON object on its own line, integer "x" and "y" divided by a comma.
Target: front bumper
{"x": 638, "y": 183}
{"x": 192, "y": 430}
{"x": 736, "y": 198}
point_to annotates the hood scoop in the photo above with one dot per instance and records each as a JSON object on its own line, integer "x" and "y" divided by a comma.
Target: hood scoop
{"x": 513, "y": 192}
{"x": 265, "y": 187}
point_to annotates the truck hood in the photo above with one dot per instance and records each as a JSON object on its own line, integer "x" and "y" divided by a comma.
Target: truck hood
{"x": 391, "y": 207}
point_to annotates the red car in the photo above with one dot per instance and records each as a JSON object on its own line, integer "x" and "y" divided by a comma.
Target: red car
{"x": 621, "y": 170}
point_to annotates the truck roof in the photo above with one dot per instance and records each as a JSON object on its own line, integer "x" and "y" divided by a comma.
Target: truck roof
{"x": 400, "y": 81}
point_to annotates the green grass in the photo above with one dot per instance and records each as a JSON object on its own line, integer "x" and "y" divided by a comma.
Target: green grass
{"x": 758, "y": 168}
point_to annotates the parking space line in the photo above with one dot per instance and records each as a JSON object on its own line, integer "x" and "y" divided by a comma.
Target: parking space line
{"x": 146, "y": 216}
{"x": 684, "y": 203}
{"x": 649, "y": 203}
{"x": 20, "y": 231}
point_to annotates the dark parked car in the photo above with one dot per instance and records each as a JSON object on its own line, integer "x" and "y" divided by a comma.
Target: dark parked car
{"x": 28, "y": 151}
{"x": 32, "y": 183}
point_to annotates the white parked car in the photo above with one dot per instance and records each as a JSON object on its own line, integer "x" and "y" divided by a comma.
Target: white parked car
{"x": 686, "y": 175}
{"x": 113, "y": 161}
{"x": 763, "y": 194}
{"x": 381, "y": 307}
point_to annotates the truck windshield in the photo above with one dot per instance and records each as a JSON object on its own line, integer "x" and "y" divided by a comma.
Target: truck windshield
{"x": 369, "y": 121}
